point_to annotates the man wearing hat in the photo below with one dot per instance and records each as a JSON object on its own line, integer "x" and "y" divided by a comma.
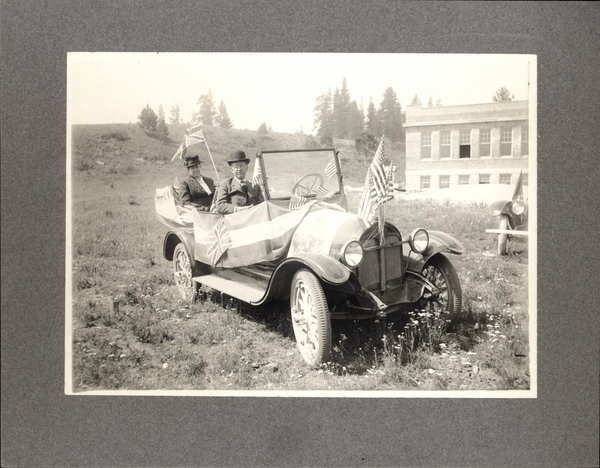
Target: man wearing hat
{"x": 237, "y": 194}
{"x": 195, "y": 190}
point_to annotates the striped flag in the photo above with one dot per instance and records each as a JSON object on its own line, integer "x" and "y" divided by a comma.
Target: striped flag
{"x": 321, "y": 191}
{"x": 377, "y": 186}
{"x": 330, "y": 170}
{"x": 297, "y": 202}
{"x": 378, "y": 173}
{"x": 193, "y": 136}
{"x": 257, "y": 177}
{"x": 366, "y": 208}
{"x": 518, "y": 193}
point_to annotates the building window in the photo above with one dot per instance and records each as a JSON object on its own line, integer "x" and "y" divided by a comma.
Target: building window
{"x": 463, "y": 180}
{"x": 485, "y": 142}
{"x": 425, "y": 145}
{"x": 445, "y": 144}
{"x": 484, "y": 179}
{"x": 506, "y": 142}
{"x": 505, "y": 179}
{"x": 525, "y": 140}
{"x": 444, "y": 181}
{"x": 465, "y": 144}
{"x": 425, "y": 182}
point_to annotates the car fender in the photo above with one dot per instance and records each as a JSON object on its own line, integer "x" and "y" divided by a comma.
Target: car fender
{"x": 500, "y": 207}
{"x": 175, "y": 237}
{"x": 439, "y": 242}
{"x": 326, "y": 268}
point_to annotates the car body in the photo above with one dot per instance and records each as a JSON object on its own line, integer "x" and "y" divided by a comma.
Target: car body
{"x": 513, "y": 218}
{"x": 328, "y": 262}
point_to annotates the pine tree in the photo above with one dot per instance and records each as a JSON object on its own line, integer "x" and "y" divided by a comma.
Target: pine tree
{"x": 323, "y": 115}
{"x": 502, "y": 94}
{"x": 355, "y": 120}
{"x": 175, "y": 115}
{"x": 207, "y": 112}
{"x": 161, "y": 113}
{"x": 341, "y": 103}
{"x": 390, "y": 113}
{"x": 162, "y": 132}
{"x": 148, "y": 120}
{"x": 430, "y": 102}
{"x": 416, "y": 101}
{"x": 262, "y": 130}
{"x": 223, "y": 119}
{"x": 373, "y": 125}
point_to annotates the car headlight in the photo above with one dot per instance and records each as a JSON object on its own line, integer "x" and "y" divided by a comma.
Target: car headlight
{"x": 518, "y": 207}
{"x": 352, "y": 253}
{"x": 419, "y": 240}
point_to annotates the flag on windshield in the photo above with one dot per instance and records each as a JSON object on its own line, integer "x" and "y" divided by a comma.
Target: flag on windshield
{"x": 375, "y": 191}
{"x": 297, "y": 202}
{"x": 257, "y": 177}
{"x": 330, "y": 170}
{"x": 193, "y": 136}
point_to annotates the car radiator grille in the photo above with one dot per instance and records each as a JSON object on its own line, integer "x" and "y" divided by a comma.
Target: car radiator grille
{"x": 369, "y": 270}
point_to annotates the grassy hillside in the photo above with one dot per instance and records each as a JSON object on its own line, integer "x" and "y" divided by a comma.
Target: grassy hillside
{"x": 120, "y": 148}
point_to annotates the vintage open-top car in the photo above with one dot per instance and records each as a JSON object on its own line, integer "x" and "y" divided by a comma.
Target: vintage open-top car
{"x": 303, "y": 244}
{"x": 513, "y": 218}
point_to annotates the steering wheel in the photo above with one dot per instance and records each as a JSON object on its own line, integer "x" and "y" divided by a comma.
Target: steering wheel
{"x": 308, "y": 185}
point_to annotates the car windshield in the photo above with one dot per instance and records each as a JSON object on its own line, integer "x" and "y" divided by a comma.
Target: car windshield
{"x": 303, "y": 173}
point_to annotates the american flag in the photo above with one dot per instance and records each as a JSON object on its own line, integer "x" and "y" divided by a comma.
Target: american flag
{"x": 297, "y": 202}
{"x": 330, "y": 170}
{"x": 193, "y": 135}
{"x": 378, "y": 173}
{"x": 257, "y": 177}
{"x": 322, "y": 191}
{"x": 375, "y": 191}
{"x": 218, "y": 241}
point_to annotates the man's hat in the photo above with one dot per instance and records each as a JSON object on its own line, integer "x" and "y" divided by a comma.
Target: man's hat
{"x": 238, "y": 156}
{"x": 191, "y": 161}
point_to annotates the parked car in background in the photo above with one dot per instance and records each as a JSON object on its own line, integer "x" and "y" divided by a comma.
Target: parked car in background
{"x": 513, "y": 218}
{"x": 303, "y": 245}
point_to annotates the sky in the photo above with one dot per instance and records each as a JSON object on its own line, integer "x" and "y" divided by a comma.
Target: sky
{"x": 279, "y": 89}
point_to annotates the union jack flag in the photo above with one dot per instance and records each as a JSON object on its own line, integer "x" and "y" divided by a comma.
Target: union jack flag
{"x": 193, "y": 136}
{"x": 330, "y": 170}
{"x": 218, "y": 241}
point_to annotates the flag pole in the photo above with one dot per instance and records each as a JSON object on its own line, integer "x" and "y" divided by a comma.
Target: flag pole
{"x": 212, "y": 160}
{"x": 381, "y": 225}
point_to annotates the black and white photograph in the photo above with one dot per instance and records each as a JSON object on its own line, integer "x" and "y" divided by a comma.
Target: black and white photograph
{"x": 342, "y": 233}
{"x": 301, "y": 224}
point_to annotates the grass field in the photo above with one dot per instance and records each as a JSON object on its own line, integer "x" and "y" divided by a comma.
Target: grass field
{"x": 131, "y": 331}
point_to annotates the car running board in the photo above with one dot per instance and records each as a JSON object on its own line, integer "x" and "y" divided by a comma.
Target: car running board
{"x": 235, "y": 285}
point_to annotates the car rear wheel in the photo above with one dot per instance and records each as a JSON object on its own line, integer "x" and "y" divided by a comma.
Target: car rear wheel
{"x": 182, "y": 270}
{"x": 440, "y": 271}
{"x": 503, "y": 238}
{"x": 310, "y": 318}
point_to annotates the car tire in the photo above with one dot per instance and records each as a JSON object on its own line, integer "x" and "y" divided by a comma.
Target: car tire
{"x": 310, "y": 318}
{"x": 440, "y": 271}
{"x": 502, "y": 237}
{"x": 182, "y": 271}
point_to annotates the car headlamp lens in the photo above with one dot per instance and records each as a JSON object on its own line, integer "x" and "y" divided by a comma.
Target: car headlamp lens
{"x": 419, "y": 240}
{"x": 352, "y": 253}
{"x": 518, "y": 207}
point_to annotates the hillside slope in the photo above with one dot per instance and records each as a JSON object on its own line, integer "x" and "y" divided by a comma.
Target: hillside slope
{"x": 118, "y": 148}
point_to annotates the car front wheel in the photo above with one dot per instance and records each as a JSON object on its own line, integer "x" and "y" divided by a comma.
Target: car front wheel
{"x": 440, "y": 271}
{"x": 503, "y": 237}
{"x": 310, "y": 318}
{"x": 182, "y": 270}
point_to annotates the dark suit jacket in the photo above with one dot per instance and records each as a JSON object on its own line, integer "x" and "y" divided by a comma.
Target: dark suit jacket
{"x": 231, "y": 194}
{"x": 192, "y": 193}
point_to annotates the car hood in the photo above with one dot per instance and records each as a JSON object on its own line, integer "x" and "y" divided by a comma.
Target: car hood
{"x": 326, "y": 231}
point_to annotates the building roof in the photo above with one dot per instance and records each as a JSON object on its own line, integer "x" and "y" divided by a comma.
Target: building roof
{"x": 504, "y": 111}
